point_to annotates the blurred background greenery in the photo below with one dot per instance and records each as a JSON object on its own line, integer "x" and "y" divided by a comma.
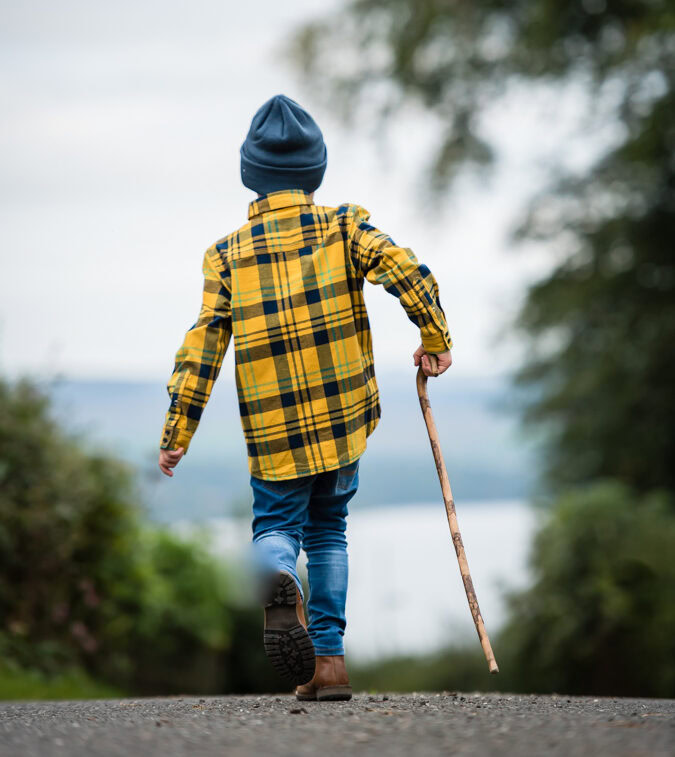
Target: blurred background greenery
{"x": 98, "y": 599}
{"x": 94, "y": 597}
{"x": 600, "y": 327}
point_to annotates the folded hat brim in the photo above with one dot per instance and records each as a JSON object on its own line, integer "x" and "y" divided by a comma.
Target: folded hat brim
{"x": 263, "y": 178}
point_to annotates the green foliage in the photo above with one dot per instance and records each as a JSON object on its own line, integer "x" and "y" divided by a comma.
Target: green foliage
{"x": 599, "y": 617}
{"x": 166, "y": 621}
{"x": 454, "y": 60}
{"x": 18, "y": 683}
{"x": 601, "y": 326}
{"x": 68, "y": 530}
{"x": 85, "y": 583}
{"x": 454, "y": 669}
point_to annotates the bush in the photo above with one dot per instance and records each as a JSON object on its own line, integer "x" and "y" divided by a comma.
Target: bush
{"x": 17, "y": 683}
{"x": 454, "y": 669}
{"x": 599, "y": 617}
{"x": 86, "y": 583}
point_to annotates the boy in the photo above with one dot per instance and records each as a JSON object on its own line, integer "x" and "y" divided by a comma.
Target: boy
{"x": 288, "y": 287}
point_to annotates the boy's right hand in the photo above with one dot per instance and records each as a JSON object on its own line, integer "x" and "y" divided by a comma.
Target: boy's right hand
{"x": 169, "y": 458}
{"x": 443, "y": 359}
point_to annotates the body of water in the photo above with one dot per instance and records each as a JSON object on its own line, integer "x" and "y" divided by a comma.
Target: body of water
{"x": 405, "y": 591}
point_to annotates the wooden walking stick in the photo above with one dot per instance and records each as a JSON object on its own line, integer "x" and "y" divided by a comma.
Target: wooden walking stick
{"x": 452, "y": 515}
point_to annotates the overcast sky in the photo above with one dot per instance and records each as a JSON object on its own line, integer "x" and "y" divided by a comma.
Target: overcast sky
{"x": 120, "y": 165}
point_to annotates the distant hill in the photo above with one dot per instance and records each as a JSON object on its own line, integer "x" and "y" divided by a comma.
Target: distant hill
{"x": 486, "y": 456}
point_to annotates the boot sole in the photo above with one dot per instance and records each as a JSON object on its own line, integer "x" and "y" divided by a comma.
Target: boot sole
{"x": 327, "y": 694}
{"x": 287, "y": 644}
{"x": 340, "y": 693}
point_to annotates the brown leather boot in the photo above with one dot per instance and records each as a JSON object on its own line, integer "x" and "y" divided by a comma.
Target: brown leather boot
{"x": 300, "y": 609}
{"x": 330, "y": 682}
{"x": 287, "y": 643}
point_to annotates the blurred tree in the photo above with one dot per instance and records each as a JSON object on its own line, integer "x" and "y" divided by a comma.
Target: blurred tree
{"x": 601, "y": 326}
{"x": 599, "y": 617}
{"x": 86, "y": 582}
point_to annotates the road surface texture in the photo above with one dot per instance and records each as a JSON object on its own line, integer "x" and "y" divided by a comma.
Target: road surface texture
{"x": 416, "y": 724}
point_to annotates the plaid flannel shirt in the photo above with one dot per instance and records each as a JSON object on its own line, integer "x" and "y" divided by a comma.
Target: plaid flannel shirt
{"x": 288, "y": 286}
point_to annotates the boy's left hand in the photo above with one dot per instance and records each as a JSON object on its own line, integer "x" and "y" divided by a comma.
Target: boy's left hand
{"x": 169, "y": 458}
{"x": 443, "y": 360}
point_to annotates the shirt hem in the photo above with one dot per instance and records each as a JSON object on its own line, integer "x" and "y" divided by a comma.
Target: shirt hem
{"x": 321, "y": 468}
{"x": 309, "y": 471}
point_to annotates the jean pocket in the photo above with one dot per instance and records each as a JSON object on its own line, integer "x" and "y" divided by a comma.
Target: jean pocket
{"x": 347, "y": 478}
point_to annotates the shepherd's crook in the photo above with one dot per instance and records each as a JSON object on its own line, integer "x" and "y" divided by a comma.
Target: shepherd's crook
{"x": 452, "y": 515}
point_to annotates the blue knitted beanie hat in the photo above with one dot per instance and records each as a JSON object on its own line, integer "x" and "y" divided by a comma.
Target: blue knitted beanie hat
{"x": 284, "y": 149}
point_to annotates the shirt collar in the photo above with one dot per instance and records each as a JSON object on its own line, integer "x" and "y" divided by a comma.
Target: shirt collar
{"x": 284, "y": 198}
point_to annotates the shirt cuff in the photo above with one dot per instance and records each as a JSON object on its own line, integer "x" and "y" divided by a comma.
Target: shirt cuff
{"x": 174, "y": 437}
{"x": 436, "y": 343}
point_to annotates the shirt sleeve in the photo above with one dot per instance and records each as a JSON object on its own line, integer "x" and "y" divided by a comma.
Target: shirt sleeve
{"x": 200, "y": 356}
{"x": 375, "y": 256}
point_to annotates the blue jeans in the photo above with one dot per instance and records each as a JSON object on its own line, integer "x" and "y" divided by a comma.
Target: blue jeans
{"x": 309, "y": 512}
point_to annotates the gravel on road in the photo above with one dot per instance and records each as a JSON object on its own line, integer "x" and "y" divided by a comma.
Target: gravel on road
{"x": 413, "y": 724}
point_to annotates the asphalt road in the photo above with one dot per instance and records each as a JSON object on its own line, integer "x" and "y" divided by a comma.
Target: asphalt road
{"x": 418, "y": 724}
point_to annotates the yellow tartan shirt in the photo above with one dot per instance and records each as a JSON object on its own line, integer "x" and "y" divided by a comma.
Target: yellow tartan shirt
{"x": 288, "y": 286}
